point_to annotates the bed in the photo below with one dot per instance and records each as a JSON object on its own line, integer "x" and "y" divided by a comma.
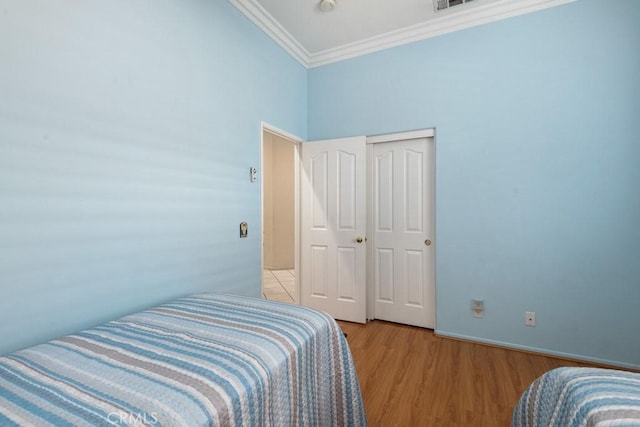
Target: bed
{"x": 567, "y": 397}
{"x": 202, "y": 360}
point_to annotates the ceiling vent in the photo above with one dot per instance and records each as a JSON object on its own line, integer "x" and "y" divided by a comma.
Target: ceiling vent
{"x": 446, "y": 4}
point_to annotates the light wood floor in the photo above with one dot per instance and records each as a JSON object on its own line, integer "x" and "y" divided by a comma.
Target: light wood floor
{"x": 410, "y": 377}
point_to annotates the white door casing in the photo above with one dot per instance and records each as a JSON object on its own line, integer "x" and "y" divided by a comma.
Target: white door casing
{"x": 402, "y": 231}
{"x": 333, "y": 226}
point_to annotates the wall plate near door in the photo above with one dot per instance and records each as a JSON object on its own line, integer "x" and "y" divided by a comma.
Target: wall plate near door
{"x": 530, "y": 318}
{"x": 477, "y": 306}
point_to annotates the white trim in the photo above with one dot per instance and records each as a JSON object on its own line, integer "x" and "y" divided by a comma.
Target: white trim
{"x": 401, "y": 136}
{"x": 448, "y": 23}
{"x": 461, "y": 20}
{"x": 537, "y": 350}
{"x": 296, "y": 218}
{"x": 279, "y": 132}
{"x": 267, "y": 23}
{"x": 370, "y": 270}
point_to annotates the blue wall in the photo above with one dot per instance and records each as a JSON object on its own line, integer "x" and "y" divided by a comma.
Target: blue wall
{"x": 127, "y": 130}
{"x": 537, "y": 167}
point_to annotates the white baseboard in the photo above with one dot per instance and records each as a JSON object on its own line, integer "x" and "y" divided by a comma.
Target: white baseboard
{"x": 544, "y": 352}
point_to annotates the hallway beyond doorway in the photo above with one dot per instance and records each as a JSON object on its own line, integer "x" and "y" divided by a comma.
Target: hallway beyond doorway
{"x": 279, "y": 285}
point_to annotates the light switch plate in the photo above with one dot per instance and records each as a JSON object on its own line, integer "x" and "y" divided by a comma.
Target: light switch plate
{"x": 477, "y": 306}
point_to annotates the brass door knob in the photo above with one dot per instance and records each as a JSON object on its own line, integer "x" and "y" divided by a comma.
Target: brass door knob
{"x": 359, "y": 239}
{"x": 427, "y": 242}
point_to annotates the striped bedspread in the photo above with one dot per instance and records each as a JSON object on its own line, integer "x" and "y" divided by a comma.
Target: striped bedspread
{"x": 204, "y": 360}
{"x": 566, "y": 397}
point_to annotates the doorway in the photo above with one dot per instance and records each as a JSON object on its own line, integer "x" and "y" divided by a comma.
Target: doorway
{"x": 279, "y": 215}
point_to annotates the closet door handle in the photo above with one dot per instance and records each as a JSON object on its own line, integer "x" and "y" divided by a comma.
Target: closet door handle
{"x": 427, "y": 242}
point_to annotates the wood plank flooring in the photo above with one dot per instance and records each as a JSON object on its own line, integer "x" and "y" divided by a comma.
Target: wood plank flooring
{"x": 410, "y": 377}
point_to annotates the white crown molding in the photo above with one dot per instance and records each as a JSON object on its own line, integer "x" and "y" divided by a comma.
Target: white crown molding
{"x": 456, "y": 21}
{"x": 267, "y": 23}
{"x": 435, "y": 27}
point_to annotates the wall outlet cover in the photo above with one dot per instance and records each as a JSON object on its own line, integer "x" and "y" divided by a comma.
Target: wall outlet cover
{"x": 530, "y": 318}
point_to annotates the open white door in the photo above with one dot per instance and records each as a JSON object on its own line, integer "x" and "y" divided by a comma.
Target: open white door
{"x": 333, "y": 225}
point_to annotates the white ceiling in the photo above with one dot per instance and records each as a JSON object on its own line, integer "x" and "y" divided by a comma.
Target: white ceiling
{"x": 357, "y": 27}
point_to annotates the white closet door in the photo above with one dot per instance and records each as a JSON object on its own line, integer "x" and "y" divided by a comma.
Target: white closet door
{"x": 403, "y": 227}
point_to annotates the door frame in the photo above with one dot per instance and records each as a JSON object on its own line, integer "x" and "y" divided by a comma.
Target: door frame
{"x": 296, "y": 141}
{"x": 375, "y": 139}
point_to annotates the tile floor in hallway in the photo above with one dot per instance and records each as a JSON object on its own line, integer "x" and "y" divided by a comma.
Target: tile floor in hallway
{"x": 279, "y": 285}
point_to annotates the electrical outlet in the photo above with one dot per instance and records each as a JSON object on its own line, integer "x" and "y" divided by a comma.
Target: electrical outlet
{"x": 477, "y": 306}
{"x": 530, "y": 318}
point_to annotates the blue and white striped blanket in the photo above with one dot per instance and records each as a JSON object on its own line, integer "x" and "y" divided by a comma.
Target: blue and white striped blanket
{"x": 572, "y": 397}
{"x": 204, "y": 360}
